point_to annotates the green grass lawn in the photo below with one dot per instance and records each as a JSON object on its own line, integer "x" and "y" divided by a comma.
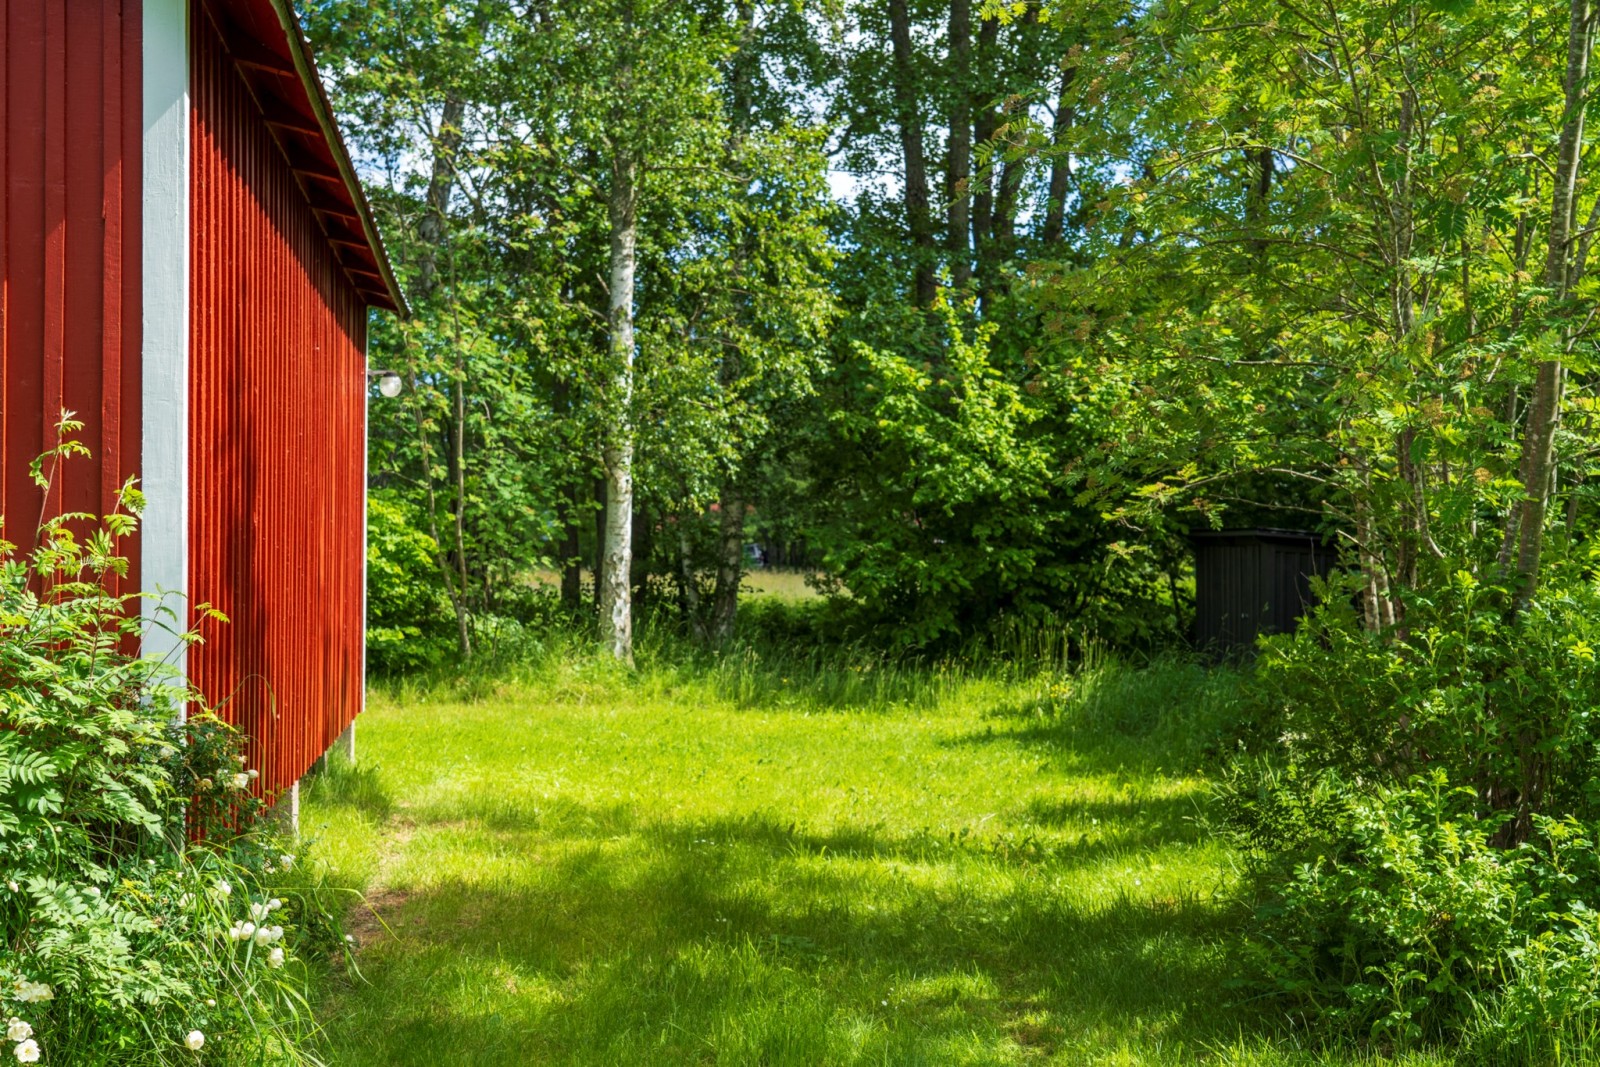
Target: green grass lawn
{"x": 736, "y": 866}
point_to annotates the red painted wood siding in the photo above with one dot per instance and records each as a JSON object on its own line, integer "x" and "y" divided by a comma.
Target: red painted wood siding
{"x": 277, "y": 437}
{"x": 70, "y": 128}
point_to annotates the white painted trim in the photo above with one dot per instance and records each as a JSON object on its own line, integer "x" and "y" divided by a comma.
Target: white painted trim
{"x": 164, "y": 462}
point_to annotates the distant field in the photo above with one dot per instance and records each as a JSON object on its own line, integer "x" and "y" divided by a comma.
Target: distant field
{"x": 782, "y": 583}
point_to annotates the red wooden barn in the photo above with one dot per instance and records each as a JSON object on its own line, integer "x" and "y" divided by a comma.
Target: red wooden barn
{"x": 188, "y": 264}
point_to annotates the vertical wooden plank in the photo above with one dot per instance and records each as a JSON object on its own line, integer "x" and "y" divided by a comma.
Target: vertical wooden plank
{"x": 130, "y": 378}
{"x": 109, "y": 411}
{"x": 80, "y": 231}
{"x": 55, "y": 232}
{"x": 24, "y": 425}
{"x": 282, "y": 432}
{"x": 7, "y": 39}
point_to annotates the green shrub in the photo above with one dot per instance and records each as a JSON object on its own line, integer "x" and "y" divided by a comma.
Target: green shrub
{"x": 130, "y": 858}
{"x": 1419, "y": 828}
{"x": 409, "y": 623}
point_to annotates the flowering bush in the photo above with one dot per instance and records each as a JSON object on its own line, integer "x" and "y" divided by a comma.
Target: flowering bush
{"x": 130, "y": 857}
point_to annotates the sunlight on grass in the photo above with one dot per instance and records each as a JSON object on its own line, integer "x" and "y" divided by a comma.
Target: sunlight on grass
{"x": 735, "y": 864}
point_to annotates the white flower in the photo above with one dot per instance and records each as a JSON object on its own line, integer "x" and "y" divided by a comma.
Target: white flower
{"x": 224, "y": 888}
{"x": 274, "y": 904}
{"x": 277, "y": 933}
{"x": 259, "y": 911}
{"x": 241, "y": 781}
{"x": 32, "y": 992}
{"x": 275, "y": 958}
{"x": 241, "y": 758}
{"x": 186, "y": 900}
{"x": 28, "y": 1051}
{"x": 286, "y": 862}
{"x": 195, "y": 1040}
{"x": 93, "y": 891}
{"x": 253, "y": 773}
{"x": 13, "y": 886}
{"x": 242, "y": 931}
{"x": 264, "y": 936}
{"x": 210, "y": 1003}
{"x": 17, "y": 1030}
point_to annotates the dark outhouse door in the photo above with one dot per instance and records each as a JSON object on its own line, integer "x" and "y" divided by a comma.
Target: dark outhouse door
{"x": 1250, "y": 582}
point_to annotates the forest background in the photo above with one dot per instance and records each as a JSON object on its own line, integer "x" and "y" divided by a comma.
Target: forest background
{"x": 973, "y": 310}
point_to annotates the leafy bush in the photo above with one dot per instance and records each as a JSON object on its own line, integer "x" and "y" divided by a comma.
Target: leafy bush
{"x": 947, "y": 507}
{"x": 1465, "y": 687}
{"x": 144, "y": 914}
{"x": 408, "y": 617}
{"x": 1419, "y": 863}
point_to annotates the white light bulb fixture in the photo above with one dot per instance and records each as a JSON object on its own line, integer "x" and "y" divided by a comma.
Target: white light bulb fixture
{"x": 389, "y": 383}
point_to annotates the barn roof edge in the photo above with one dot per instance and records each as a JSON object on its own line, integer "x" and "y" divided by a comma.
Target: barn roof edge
{"x": 306, "y": 67}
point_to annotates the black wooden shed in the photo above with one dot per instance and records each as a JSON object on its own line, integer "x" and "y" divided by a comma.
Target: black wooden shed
{"x": 1250, "y": 582}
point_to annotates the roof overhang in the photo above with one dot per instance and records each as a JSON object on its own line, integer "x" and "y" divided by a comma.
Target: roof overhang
{"x": 267, "y": 45}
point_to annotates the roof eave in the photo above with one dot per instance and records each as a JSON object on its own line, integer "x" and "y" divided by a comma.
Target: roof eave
{"x": 306, "y": 67}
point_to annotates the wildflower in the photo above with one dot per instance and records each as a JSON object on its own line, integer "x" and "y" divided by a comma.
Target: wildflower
{"x": 93, "y": 891}
{"x": 224, "y": 888}
{"x": 195, "y": 1040}
{"x": 241, "y": 781}
{"x": 275, "y": 958}
{"x": 167, "y": 752}
{"x": 286, "y": 862}
{"x": 241, "y": 758}
{"x": 28, "y": 1051}
{"x": 17, "y": 1030}
{"x": 32, "y": 992}
{"x": 242, "y": 931}
{"x": 253, "y": 773}
{"x": 210, "y": 1003}
{"x": 259, "y": 911}
{"x": 204, "y": 783}
{"x": 274, "y": 904}
{"x": 12, "y": 885}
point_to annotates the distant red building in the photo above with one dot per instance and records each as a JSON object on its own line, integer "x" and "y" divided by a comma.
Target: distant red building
{"x": 188, "y": 264}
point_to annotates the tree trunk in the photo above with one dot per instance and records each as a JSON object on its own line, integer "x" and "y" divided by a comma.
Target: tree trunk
{"x": 730, "y": 567}
{"x": 571, "y": 553}
{"x": 615, "y": 586}
{"x": 599, "y": 540}
{"x": 446, "y": 143}
{"x": 688, "y": 582}
{"x": 986, "y": 122}
{"x": 1544, "y": 406}
{"x": 431, "y": 231}
{"x": 958, "y": 163}
{"x": 1055, "y": 212}
{"x": 918, "y": 216}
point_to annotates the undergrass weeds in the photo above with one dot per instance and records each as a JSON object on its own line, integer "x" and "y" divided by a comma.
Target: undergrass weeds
{"x": 785, "y": 858}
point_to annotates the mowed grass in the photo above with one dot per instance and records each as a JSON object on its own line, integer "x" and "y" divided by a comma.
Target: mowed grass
{"x": 757, "y": 863}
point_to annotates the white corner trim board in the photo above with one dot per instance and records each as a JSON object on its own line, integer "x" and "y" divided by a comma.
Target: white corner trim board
{"x": 164, "y": 459}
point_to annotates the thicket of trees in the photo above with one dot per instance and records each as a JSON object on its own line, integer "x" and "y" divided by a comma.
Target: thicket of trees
{"x": 981, "y": 306}
{"x": 1106, "y": 271}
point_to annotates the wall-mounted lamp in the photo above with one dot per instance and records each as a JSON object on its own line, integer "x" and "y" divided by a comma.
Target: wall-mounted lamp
{"x": 389, "y": 383}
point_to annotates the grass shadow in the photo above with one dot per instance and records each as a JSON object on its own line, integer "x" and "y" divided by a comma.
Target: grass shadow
{"x": 688, "y": 940}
